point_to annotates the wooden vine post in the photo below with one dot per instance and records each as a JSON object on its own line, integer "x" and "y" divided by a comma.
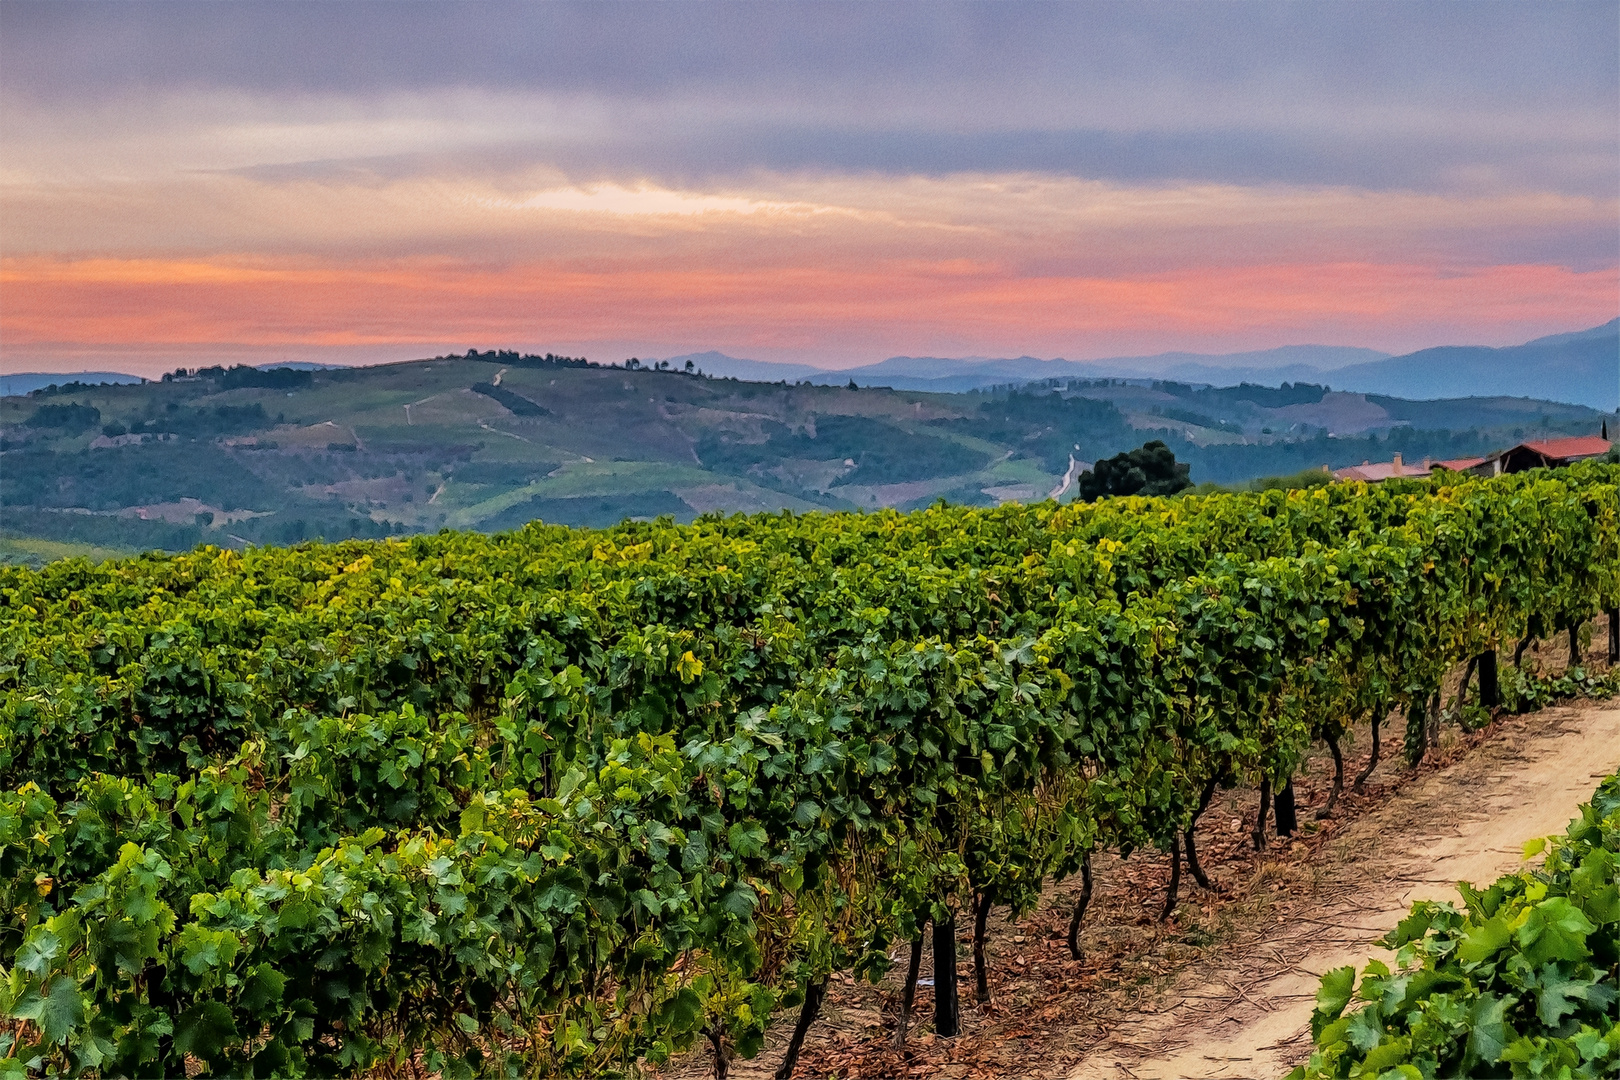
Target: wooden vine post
{"x": 947, "y": 1009}
{"x": 1287, "y": 811}
{"x": 1191, "y": 836}
{"x": 815, "y": 991}
{"x": 908, "y": 996}
{"x": 1260, "y": 819}
{"x": 1080, "y": 907}
{"x": 981, "y": 971}
{"x": 1379, "y": 712}
{"x": 1490, "y": 687}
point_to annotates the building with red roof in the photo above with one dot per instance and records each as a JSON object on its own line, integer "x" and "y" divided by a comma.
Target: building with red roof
{"x": 1543, "y": 454}
{"x": 1375, "y": 472}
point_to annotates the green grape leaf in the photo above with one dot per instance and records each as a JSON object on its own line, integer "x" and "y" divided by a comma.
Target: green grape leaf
{"x": 58, "y": 1011}
{"x": 1485, "y": 940}
{"x": 205, "y": 1030}
{"x": 262, "y": 987}
{"x": 748, "y": 839}
{"x": 685, "y": 1011}
{"x": 1364, "y": 1031}
{"x": 1555, "y": 930}
{"x": 1337, "y": 988}
{"x": 36, "y": 954}
{"x": 1489, "y": 1033}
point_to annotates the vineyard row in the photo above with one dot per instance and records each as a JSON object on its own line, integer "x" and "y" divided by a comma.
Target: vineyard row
{"x": 563, "y": 801}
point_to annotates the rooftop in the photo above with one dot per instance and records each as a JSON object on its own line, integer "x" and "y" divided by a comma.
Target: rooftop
{"x": 1376, "y": 471}
{"x": 1580, "y": 446}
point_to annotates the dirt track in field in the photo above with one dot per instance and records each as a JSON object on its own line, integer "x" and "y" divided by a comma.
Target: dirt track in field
{"x": 1224, "y": 987}
{"x": 1467, "y": 822}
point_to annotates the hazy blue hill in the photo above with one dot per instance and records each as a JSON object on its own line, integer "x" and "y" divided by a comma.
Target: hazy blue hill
{"x": 1288, "y": 363}
{"x": 1284, "y": 358}
{"x": 1214, "y": 375}
{"x": 943, "y": 375}
{"x": 26, "y": 382}
{"x": 1608, "y": 329}
{"x": 1581, "y": 368}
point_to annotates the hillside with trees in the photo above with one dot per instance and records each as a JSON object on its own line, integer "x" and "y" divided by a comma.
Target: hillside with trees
{"x": 492, "y": 440}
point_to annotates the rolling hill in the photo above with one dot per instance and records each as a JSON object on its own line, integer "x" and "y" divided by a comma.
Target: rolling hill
{"x": 490, "y": 441}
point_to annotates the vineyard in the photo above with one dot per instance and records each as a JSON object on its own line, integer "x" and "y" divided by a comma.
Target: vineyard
{"x": 564, "y": 802}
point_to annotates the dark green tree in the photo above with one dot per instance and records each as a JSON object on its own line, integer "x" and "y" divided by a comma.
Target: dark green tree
{"x": 1150, "y": 469}
{"x": 70, "y": 417}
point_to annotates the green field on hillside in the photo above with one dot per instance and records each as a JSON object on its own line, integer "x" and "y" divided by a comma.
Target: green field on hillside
{"x": 494, "y": 440}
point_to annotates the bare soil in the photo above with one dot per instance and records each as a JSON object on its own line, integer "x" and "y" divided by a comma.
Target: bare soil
{"x": 1250, "y": 1016}
{"x": 1224, "y": 987}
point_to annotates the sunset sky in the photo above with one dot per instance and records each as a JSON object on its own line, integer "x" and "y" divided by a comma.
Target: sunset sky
{"x": 824, "y": 183}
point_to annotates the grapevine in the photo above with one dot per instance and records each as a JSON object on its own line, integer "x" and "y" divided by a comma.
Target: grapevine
{"x": 564, "y": 801}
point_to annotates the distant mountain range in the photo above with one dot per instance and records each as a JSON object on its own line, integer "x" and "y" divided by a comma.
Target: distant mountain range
{"x": 951, "y": 375}
{"x": 1581, "y": 368}
{"x": 1286, "y": 364}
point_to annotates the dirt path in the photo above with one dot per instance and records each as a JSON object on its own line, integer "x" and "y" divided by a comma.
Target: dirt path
{"x": 1254, "y": 1019}
{"x": 1224, "y": 988}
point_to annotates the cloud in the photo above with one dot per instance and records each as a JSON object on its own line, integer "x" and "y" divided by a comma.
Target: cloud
{"x": 837, "y": 179}
{"x": 1433, "y": 96}
{"x": 971, "y": 61}
{"x": 1018, "y": 220}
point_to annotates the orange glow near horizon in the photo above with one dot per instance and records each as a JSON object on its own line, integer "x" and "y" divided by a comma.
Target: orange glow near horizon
{"x": 899, "y": 305}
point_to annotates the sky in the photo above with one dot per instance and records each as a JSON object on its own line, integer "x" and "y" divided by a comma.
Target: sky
{"x": 822, "y": 183}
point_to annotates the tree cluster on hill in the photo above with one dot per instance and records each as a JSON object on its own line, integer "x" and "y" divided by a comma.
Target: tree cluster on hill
{"x": 1150, "y": 469}
{"x": 72, "y": 417}
{"x": 512, "y": 358}
{"x": 74, "y": 387}
{"x": 244, "y": 377}
{"x": 203, "y": 422}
